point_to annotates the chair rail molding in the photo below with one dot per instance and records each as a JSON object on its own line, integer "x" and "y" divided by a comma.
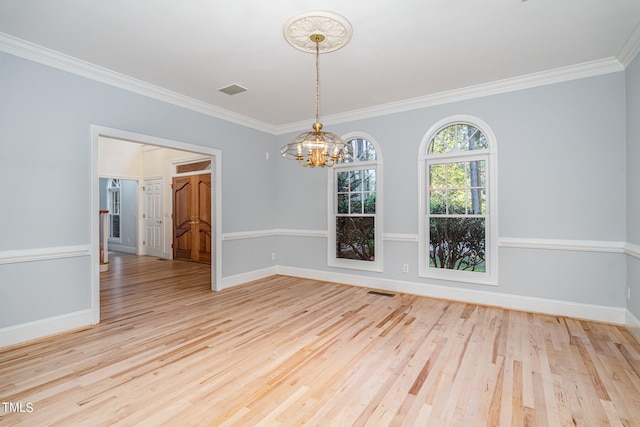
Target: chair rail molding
{"x": 42, "y": 254}
{"x": 563, "y": 245}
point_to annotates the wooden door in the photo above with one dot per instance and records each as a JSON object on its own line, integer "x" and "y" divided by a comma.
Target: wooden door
{"x": 203, "y": 218}
{"x": 192, "y": 222}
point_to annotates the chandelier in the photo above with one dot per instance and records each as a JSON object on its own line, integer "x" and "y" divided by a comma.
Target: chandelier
{"x": 317, "y": 148}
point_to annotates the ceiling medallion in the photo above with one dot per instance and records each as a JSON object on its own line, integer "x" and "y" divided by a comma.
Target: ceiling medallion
{"x": 335, "y": 29}
{"x": 317, "y": 32}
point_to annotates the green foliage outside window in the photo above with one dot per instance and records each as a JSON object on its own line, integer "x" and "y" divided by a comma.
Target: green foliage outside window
{"x": 457, "y": 243}
{"x": 459, "y": 137}
{"x": 355, "y": 238}
{"x": 457, "y": 201}
{"x": 355, "y": 221}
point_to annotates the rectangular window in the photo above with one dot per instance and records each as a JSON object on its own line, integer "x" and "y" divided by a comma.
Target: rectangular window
{"x": 114, "y": 226}
{"x": 355, "y": 238}
{"x": 457, "y": 215}
{"x": 115, "y": 202}
{"x": 114, "y": 207}
{"x": 355, "y": 216}
{"x": 457, "y": 243}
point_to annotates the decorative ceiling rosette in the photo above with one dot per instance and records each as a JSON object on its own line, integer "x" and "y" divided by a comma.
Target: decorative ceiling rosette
{"x": 335, "y": 28}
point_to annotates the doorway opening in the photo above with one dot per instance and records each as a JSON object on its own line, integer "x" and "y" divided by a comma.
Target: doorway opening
{"x": 99, "y": 133}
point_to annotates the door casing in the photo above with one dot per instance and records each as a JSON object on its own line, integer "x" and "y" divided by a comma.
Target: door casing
{"x": 216, "y": 200}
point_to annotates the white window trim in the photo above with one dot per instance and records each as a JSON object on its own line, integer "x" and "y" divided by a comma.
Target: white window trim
{"x": 110, "y": 190}
{"x": 490, "y": 277}
{"x": 377, "y": 264}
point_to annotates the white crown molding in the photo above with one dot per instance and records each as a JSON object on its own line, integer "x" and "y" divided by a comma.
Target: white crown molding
{"x": 558, "y": 75}
{"x": 42, "y": 254}
{"x": 42, "y": 55}
{"x": 631, "y": 47}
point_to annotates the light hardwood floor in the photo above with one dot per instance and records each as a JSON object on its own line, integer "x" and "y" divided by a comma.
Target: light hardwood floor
{"x": 288, "y": 351}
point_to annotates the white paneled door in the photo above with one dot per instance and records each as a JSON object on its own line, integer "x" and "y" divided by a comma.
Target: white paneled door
{"x": 153, "y": 217}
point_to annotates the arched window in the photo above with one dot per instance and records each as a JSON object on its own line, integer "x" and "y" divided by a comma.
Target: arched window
{"x": 113, "y": 205}
{"x": 458, "y": 222}
{"x": 355, "y": 228}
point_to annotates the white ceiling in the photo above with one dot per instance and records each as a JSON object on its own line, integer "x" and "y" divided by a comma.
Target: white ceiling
{"x": 400, "y": 49}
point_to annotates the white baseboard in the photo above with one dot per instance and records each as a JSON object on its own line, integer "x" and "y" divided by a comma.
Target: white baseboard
{"x": 515, "y": 302}
{"x": 122, "y": 248}
{"x": 44, "y": 327}
{"x": 239, "y": 279}
{"x": 53, "y": 325}
{"x": 633, "y": 324}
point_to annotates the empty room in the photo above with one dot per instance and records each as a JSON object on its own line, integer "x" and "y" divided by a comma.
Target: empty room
{"x": 320, "y": 213}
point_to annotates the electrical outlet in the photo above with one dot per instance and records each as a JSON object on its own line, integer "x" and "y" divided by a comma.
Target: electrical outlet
{"x": 405, "y": 268}
{"x": 628, "y": 293}
{"x": 273, "y": 256}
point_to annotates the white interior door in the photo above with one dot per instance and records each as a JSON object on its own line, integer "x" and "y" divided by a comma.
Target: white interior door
{"x": 153, "y": 216}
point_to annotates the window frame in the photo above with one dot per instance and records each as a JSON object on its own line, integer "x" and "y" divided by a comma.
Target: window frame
{"x": 490, "y": 276}
{"x": 332, "y": 173}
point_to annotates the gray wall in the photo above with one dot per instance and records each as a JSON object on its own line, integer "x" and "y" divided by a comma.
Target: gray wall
{"x": 566, "y": 172}
{"x": 633, "y": 183}
{"x": 45, "y": 139}
{"x": 561, "y": 176}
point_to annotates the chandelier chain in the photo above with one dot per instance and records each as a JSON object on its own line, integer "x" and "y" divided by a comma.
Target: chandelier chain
{"x": 317, "y": 81}
{"x": 318, "y": 148}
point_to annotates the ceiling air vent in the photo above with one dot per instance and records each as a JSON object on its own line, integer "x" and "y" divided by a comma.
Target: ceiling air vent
{"x": 233, "y": 89}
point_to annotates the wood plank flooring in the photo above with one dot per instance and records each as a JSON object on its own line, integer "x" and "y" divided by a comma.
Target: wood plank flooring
{"x": 288, "y": 351}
